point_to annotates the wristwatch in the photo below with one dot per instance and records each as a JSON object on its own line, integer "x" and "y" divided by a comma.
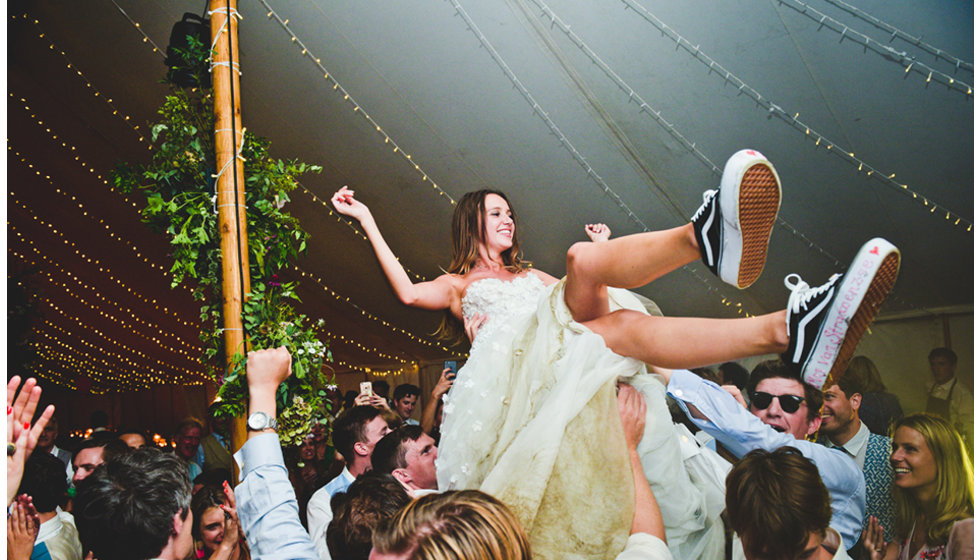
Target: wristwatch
{"x": 258, "y": 421}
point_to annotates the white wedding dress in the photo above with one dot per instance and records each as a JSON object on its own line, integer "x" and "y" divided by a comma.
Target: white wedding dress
{"x": 532, "y": 419}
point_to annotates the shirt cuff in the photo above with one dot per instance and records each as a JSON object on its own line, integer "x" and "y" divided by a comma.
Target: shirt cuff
{"x": 258, "y": 451}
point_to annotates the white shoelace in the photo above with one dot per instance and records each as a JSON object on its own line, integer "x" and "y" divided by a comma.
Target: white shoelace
{"x": 801, "y": 293}
{"x": 705, "y": 196}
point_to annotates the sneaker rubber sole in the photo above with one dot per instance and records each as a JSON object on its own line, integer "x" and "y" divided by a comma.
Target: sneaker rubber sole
{"x": 872, "y": 273}
{"x": 758, "y": 206}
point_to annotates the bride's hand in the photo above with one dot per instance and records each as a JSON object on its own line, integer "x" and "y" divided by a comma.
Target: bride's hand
{"x": 473, "y": 324}
{"x": 345, "y": 203}
{"x": 598, "y": 232}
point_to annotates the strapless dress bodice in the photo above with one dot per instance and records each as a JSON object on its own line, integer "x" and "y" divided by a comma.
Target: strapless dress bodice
{"x": 502, "y": 301}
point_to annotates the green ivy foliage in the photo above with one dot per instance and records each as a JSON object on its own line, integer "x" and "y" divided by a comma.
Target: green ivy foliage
{"x": 179, "y": 186}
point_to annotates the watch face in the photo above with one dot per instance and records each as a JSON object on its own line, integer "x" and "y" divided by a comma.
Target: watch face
{"x": 258, "y": 420}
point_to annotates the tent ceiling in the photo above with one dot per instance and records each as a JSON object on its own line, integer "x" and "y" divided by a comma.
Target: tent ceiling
{"x": 528, "y": 96}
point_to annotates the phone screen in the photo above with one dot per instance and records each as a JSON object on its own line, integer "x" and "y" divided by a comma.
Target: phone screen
{"x": 450, "y": 365}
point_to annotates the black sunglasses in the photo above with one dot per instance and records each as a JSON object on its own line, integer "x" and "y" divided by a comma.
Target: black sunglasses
{"x": 789, "y": 403}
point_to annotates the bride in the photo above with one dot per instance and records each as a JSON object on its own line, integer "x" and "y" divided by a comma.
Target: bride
{"x": 532, "y": 416}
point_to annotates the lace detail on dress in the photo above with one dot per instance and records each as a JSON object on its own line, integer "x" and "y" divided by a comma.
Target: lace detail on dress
{"x": 503, "y": 302}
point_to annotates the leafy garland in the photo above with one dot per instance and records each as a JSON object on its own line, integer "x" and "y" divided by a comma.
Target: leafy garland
{"x": 179, "y": 187}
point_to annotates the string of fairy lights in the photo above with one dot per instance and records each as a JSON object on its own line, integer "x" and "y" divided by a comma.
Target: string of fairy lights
{"x": 132, "y": 315}
{"x": 809, "y": 132}
{"x": 139, "y": 373}
{"x": 72, "y": 149}
{"x": 157, "y": 306}
{"x": 907, "y": 37}
{"x": 181, "y": 371}
{"x": 85, "y": 213}
{"x": 123, "y": 373}
{"x": 76, "y": 297}
{"x": 903, "y": 58}
{"x": 88, "y": 83}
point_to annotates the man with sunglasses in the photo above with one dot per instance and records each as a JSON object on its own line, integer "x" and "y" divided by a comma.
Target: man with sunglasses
{"x": 783, "y": 411}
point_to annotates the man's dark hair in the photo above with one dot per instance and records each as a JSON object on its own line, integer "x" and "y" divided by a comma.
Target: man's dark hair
{"x": 45, "y": 481}
{"x": 943, "y": 353}
{"x": 774, "y": 501}
{"x": 112, "y": 446}
{"x": 348, "y": 429}
{"x": 389, "y": 452}
{"x": 404, "y": 390}
{"x": 380, "y": 387}
{"x": 778, "y": 369}
{"x": 371, "y": 499}
{"x": 732, "y": 373}
{"x": 125, "y": 509}
{"x": 849, "y": 383}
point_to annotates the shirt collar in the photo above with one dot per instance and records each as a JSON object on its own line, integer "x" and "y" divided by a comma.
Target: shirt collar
{"x": 853, "y": 446}
{"x": 347, "y": 475}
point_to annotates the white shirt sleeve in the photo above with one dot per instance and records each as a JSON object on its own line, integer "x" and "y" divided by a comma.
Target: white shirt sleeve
{"x": 644, "y": 546}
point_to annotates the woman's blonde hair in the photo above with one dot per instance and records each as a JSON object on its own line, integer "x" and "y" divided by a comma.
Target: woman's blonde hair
{"x": 469, "y": 234}
{"x": 454, "y": 525}
{"x": 954, "y": 480}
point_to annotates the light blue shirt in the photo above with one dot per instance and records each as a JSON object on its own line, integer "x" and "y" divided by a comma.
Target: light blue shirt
{"x": 740, "y": 431}
{"x": 319, "y": 514}
{"x": 267, "y": 507}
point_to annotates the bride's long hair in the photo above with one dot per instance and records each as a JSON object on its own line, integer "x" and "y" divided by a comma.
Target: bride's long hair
{"x": 469, "y": 234}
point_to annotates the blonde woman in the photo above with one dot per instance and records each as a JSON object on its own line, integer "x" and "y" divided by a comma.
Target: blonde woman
{"x": 933, "y": 494}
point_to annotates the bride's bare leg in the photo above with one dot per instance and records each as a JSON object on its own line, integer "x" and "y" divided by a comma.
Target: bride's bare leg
{"x": 684, "y": 343}
{"x": 625, "y": 262}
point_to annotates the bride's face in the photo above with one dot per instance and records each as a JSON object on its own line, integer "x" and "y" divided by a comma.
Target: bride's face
{"x": 498, "y": 223}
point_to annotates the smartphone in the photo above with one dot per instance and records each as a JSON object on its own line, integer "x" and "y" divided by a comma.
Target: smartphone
{"x": 451, "y": 366}
{"x": 366, "y": 388}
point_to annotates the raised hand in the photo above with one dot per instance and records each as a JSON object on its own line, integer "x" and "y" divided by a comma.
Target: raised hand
{"x": 345, "y": 203}
{"x": 598, "y": 232}
{"x": 229, "y": 547}
{"x": 22, "y": 528}
{"x": 444, "y": 384}
{"x": 873, "y": 539}
{"x": 21, "y": 435}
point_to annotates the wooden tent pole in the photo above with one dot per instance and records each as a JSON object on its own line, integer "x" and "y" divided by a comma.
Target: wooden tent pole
{"x": 231, "y": 182}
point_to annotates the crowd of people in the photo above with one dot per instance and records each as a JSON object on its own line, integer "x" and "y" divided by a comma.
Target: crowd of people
{"x": 555, "y": 438}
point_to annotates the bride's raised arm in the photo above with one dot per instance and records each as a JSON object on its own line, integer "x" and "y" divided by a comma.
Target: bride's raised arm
{"x": 434, "y": 294}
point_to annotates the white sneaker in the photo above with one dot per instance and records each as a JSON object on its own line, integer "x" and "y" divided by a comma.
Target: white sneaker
{"x": 735, "y": 221}
{"x": 826, "y": 323}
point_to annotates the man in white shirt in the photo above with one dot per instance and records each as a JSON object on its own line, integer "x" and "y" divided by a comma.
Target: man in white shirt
{"x": 947, "y": 397}
{"x": 405, "y": 398}
{"x": 44, "y": 481}
{"x": 355, "y": 433}
{"x": 46, "y": 443}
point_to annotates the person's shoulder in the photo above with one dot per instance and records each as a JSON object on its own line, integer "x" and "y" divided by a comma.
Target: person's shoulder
{"x": 546, "y": 278}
